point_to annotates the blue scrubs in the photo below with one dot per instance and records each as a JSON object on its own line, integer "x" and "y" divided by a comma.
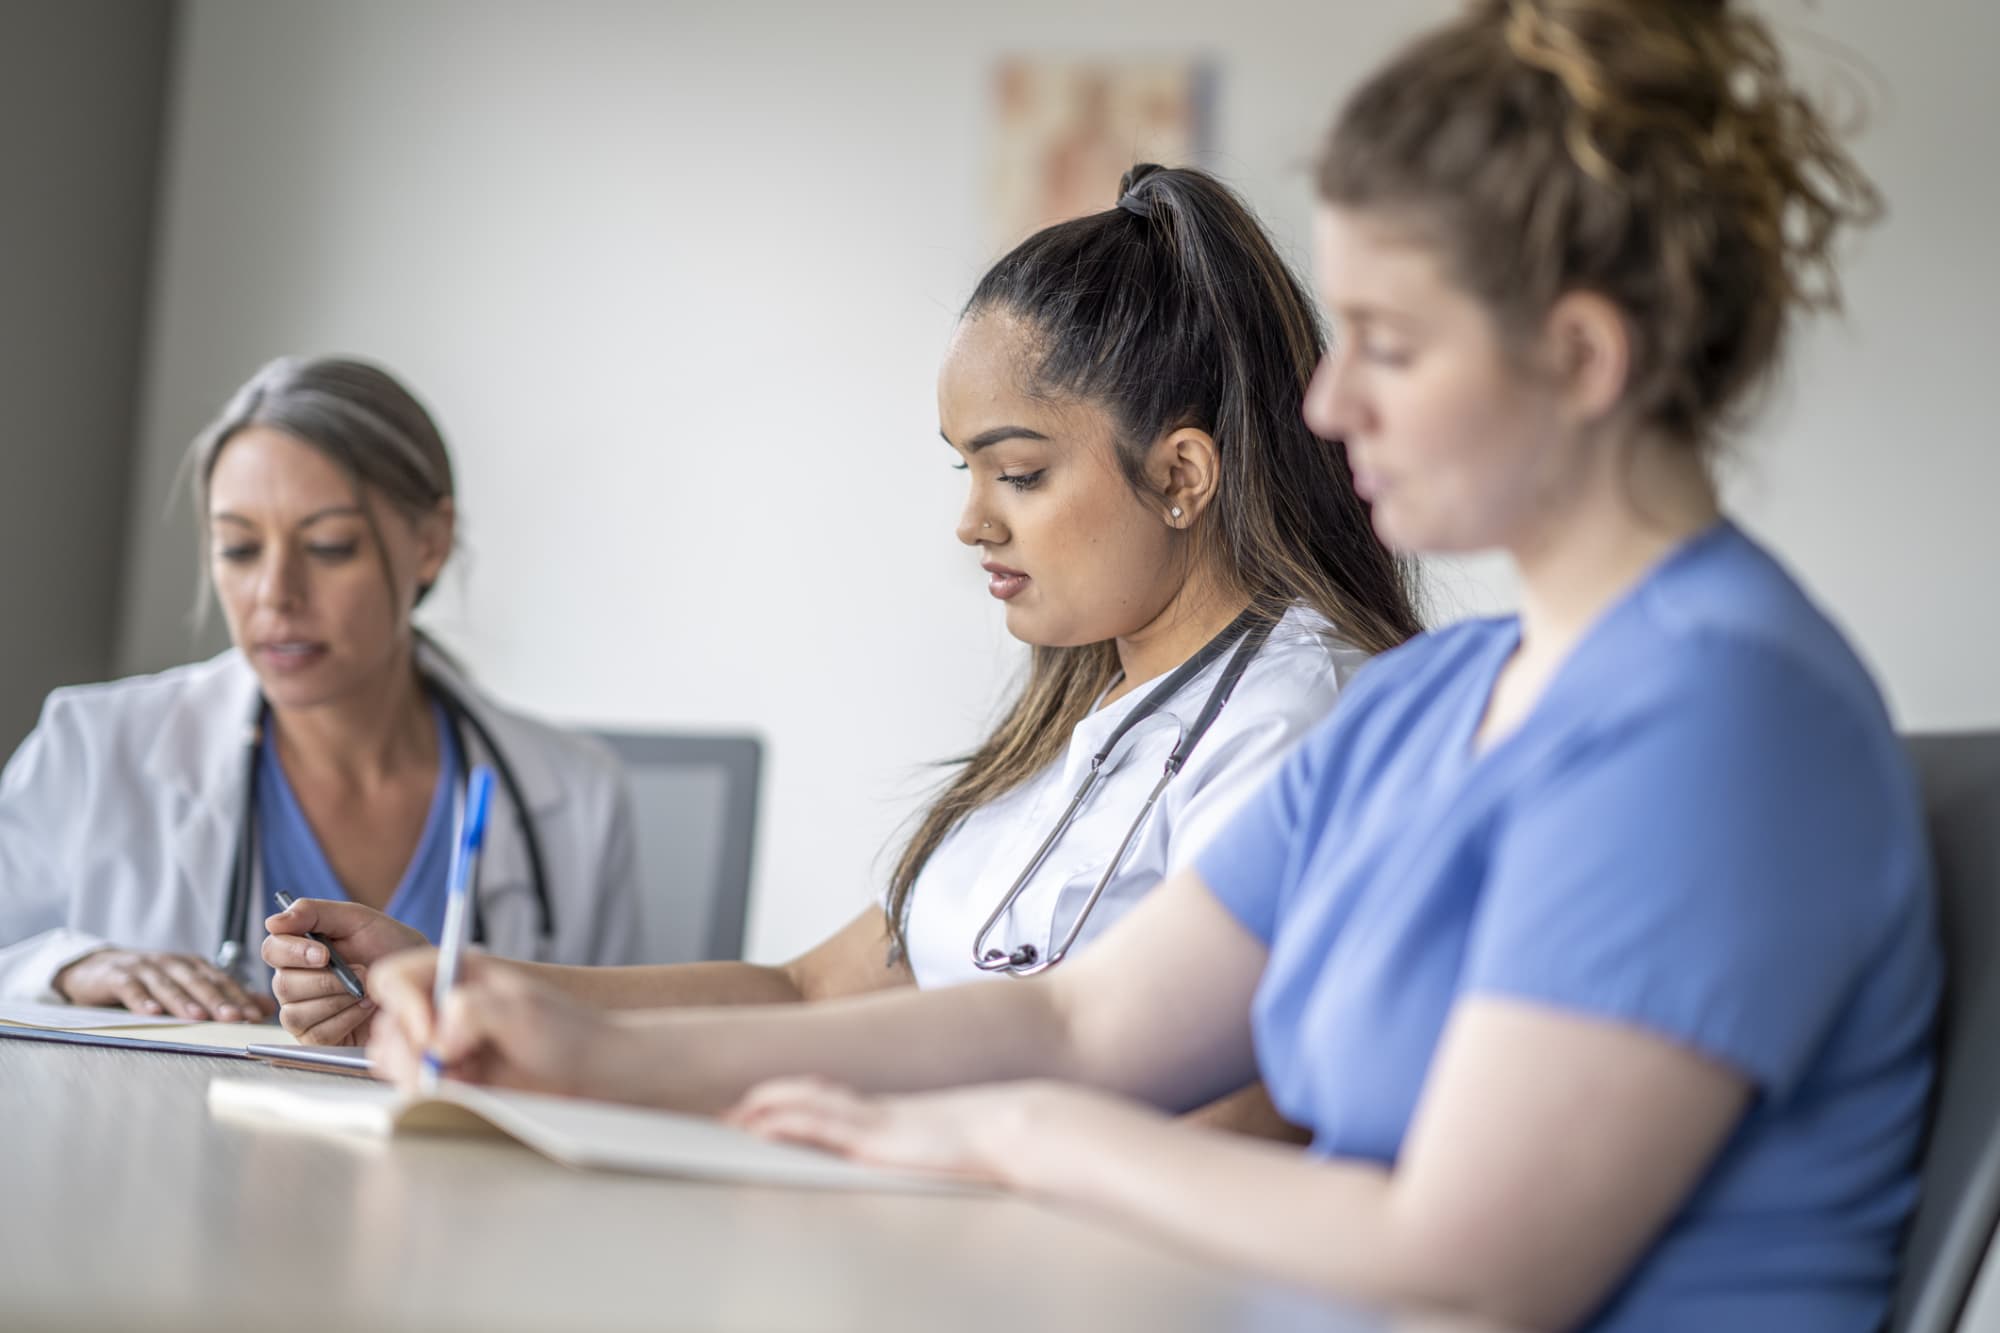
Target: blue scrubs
{"x": 1706, "y": 829}
{"x": 293, "y": 860}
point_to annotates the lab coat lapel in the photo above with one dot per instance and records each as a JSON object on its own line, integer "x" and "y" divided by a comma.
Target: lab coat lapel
{"x": 202, "y": 755}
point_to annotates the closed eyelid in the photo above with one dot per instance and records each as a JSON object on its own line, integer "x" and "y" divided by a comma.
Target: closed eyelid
{"x": 1359, "y": 319}
{"x": 237, "y": 544}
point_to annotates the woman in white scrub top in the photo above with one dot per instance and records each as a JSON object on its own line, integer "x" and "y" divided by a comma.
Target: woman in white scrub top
{"x": 1123, "y": 392}
{"x": 1288, "y": 686}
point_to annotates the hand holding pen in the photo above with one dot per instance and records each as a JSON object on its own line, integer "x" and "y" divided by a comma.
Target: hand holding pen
{"x": 348, "y": 981}
{"x": 458, "y": 906}
{"x": 520, "y": 1033}
{"x": 316, "y": 1003}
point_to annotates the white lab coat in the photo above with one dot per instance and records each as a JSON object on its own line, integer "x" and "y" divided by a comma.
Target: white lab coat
{"x": 120, "y": 813}
{"x": 1285, "y": 692}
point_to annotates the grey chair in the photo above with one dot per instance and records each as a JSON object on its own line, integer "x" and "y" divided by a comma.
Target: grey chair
{"x": 1982, "y": 1308}
{"x": 1954, "y": 1227}
{"x": 695, "y": 802}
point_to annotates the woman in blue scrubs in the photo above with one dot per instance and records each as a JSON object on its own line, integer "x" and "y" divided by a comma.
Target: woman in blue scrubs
{"x": 1595, "y": 944}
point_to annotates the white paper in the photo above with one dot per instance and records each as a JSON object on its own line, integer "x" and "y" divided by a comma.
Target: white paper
{"x": 168, "y": 1033}
{"x": 79, "y": 1018}
{"x": 582, "y": 1133}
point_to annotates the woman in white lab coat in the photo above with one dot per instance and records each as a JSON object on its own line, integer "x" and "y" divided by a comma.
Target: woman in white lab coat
{"x": 1123, "y": 391}
{"x": 147, "y": 825}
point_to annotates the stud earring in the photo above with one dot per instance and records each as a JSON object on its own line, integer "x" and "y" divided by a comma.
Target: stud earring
{"x": 1176, "y": 511}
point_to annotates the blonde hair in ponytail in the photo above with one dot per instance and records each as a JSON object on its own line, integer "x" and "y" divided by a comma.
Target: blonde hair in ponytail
{"x": 1653, "y": 151}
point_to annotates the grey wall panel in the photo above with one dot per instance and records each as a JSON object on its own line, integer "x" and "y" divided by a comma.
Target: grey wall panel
{"x": 82, "y": 99}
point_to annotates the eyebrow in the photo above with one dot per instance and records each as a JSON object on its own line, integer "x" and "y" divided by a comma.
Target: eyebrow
{"x": 994, "y": 436}
{"x": 331, "y": 511}
{"x": 1363, "y": 314}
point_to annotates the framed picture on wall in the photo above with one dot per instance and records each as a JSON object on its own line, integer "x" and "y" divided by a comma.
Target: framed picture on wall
{"x": 1066, "y": 129}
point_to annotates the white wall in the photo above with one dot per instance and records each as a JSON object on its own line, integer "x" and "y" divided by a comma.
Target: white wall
{"x": 675, "y": 279}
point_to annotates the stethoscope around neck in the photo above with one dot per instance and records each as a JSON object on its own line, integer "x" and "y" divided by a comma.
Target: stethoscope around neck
{"x": 1248, "y": 633}
{"x": 234, "y": 942}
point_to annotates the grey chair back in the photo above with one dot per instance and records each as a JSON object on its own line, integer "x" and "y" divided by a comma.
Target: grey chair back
{"x": 695, "y": 802}
{"x": 1954, "y": 1225}
{"x": 1982, "y": 1308}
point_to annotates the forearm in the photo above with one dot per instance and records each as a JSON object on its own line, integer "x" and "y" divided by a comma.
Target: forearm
{"x": 1259, "y": 1205}
{"x": 903, "y": 1040}
{"x": 852, "y": 961}
{"x": 1248, "y": 1111}
{"x": 660, "y": 986}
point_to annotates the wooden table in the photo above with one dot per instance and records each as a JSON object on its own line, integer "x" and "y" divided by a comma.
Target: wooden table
{"x": 123, "y": 1204}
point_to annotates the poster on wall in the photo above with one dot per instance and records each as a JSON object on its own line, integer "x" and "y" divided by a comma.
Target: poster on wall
{"x": 1066, "y": 129}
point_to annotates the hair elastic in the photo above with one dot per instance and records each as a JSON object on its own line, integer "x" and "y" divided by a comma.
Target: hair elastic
{"x": 1137, "y": 207}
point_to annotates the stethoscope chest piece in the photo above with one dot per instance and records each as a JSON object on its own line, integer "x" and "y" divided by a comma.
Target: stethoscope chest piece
{"x": 1247, "y": 633}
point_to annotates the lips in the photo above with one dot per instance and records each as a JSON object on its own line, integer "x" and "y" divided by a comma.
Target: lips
{"x": 1002, "y": 581}
{"x": 285, "y": 655}
{"x": 1368, "y": 482}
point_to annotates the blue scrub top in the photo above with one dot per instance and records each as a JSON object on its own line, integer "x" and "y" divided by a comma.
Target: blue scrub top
{"x": 294, "y": 861}
{"x": 1706, "y": 829}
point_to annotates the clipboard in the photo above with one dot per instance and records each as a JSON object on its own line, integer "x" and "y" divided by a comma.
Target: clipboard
{"x": 131, "y": 1041}
{"x": 320, "y": 1059}
{"x": 79, "y": 1025}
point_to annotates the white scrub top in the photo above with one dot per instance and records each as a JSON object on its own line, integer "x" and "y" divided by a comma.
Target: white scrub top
{"x": 1288, "y": 687}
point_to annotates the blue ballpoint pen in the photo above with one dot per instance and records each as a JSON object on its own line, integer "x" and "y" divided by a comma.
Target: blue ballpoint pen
{"x": 457, "y": 907}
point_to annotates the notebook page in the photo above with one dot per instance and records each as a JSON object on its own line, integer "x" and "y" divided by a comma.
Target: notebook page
{"x": 581, "y": 1133}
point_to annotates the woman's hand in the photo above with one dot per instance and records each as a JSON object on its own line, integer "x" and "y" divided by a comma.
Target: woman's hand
{"x": 995, "y": 1133}
{"x": 147, "y": 982}
{"x": 314, "y": 1006}
{"x": 498, "y": 1027}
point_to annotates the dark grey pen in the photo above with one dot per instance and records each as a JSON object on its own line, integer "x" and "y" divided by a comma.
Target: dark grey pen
{"x": 334, "y": 960}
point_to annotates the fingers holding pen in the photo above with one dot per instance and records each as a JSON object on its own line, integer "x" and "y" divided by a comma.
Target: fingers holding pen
{"x": 400, "y": 988}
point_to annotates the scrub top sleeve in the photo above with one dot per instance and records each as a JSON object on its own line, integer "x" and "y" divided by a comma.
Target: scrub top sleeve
{"x": 1246, "y": 863}
{"x": 1716, "y": 871}
{"x": 1233, "y": 773}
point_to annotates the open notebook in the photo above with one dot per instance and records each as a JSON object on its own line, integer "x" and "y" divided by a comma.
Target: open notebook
{"x": 122, "y": 1027}
{"x": 597, "y": 1135}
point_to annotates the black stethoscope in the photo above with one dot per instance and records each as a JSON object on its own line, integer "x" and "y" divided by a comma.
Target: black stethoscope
{"x": 1248, "y": 632}
{"x": 243, "y": 866}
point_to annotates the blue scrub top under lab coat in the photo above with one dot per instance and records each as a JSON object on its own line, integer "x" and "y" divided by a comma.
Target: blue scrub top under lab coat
{"x": 295, "y": 862}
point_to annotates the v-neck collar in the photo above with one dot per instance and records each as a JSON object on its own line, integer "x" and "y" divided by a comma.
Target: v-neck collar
{"x": 1508, "y": 640}
{"x": 437, "y": 819}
